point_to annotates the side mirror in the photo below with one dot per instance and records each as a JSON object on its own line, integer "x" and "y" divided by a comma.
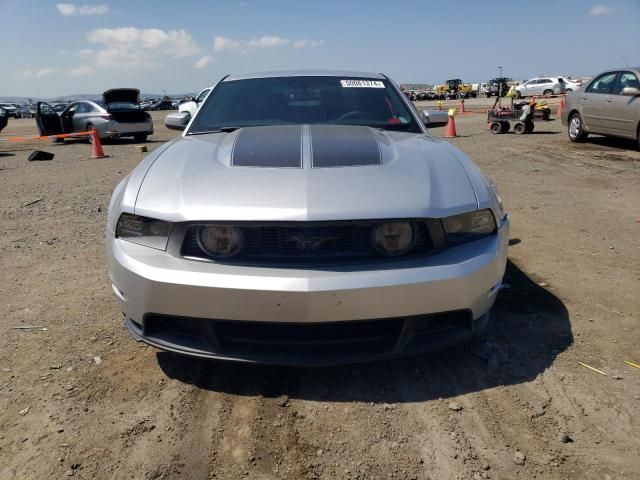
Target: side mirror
{"x": 177, "y": 121}
{"x": 435, "y": 118}
{"x": 630, "y": 91}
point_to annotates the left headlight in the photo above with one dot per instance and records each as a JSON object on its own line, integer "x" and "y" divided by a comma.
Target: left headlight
{"x": 143, "y": 230}
{"x": 470, "y": 226}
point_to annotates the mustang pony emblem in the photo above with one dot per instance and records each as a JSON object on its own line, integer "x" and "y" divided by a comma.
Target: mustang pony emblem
{"x": 308, "y": 243}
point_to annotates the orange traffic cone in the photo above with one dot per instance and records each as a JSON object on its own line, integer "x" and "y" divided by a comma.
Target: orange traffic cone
{"x": 560, "y": 107}
{"x": 451, "y": 126}
{"x": 96, "y": 146}
{"x": 462, "y": 106}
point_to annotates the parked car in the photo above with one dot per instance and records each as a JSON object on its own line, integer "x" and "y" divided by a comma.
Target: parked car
{"x": 27, "y": 111}
{"x": 4, "y": 118}
{"x": 193, "y": 105}
{"x": 11, "y": 109}
{"x": 545, "y": 86}
{"x": 306, "y": 218}
{"x": 497, "y": 86}
{"x": 609, "y": 105}
{"x": 117, "y": 115}
{"x": 162, "y": 105}
{"x": 571, "y": 85}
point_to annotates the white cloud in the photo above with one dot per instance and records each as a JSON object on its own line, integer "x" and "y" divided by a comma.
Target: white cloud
{"x": 224, "y": 43}
{"x": 256, "y": 43}
{"x": 267, "y": 42}
{"x": 69, "y": 9}
{"x": 82, "y": 71}
{"x": 308, "y": 43}
{"x": 43, "y": 72}
{"x": 130, "y": 47}
{"x": 600, "y": 10}
{"x": 203, "y": 62}
{"x": 85, "y": 52}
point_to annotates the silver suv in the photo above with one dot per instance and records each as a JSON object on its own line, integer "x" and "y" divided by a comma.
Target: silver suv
{"x": 545, "y": 86}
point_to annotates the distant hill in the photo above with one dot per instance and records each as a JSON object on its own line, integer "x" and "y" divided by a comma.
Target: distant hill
{"x": 86, "y": 96}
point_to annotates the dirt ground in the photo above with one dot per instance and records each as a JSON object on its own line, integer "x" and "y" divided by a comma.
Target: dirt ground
{"x": 79, "y": 398}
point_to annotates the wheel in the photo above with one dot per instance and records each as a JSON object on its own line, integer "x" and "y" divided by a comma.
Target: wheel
{"x": 569, "y": 90}
{"x": 488, "y": 95}
{"x": 505, "y": 127}
{"x": 140, "y": 138}
{"x": 546, "y": 114}
{"x": 57, "y": 140}
{"x": 576, "y": 130}
{"x": 547, "y": 93}
{"x": 519, "y": 128}
{"x": 496, "y": 127}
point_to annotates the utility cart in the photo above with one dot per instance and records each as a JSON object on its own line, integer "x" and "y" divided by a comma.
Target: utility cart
{"x": 502, "y": 119}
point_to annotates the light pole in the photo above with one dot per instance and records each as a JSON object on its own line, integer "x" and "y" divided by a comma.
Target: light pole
{"x": 500, "y": 72}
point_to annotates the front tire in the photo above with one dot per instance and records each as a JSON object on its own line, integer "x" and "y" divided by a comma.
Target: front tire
{"x": 88, "y": 128}
{"x": 576, "y": 129}
{"x": 547, "y": 93}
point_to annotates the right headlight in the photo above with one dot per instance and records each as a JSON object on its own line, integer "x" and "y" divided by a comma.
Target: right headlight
{"x": 470, "y": 226}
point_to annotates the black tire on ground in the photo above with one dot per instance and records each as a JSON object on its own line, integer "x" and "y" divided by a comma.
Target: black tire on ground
{"x": 488, "y": 95}
{"x": 638, "y": 137}
{"x": 547, "y": 93}
{"x": 575, "y": 128}
{"x": 496, "y": 127}
{"x": 505, "y": 127}
{"x": 140, "y": 138}
{"x": 57, "y": 140}
{"x": 519, "y": 128}
{"x": 546, "y": 114}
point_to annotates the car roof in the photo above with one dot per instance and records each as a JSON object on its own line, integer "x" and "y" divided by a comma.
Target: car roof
{"x": 304, "y": 73}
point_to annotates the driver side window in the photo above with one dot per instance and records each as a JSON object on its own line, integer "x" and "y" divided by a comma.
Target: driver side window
{"x": 603, "y": 83}
{"x": 200, "y": 98}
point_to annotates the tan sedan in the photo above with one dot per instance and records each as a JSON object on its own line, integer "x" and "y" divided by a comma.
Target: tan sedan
{"x": 608, "y": 105}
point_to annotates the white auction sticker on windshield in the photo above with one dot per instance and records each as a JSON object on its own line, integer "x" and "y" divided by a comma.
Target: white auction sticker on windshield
{"x": 361, "y": 84}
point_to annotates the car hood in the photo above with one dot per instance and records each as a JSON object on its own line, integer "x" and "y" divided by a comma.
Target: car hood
{"x": 305, "y": 173}
{"x": 128, "y": 95}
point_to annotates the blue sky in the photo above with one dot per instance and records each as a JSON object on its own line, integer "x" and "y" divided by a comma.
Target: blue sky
{"x": 50, "y": 48}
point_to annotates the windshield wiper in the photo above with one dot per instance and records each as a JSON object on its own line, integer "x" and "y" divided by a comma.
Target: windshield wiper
{"x": 217, "y": 130}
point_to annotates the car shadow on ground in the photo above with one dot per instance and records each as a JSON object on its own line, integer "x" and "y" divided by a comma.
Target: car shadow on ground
{"x": 612, "y": 142}
{"x": 530, "y": 326}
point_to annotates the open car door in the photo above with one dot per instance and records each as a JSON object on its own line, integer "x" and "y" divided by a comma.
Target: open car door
{"x": 3, "y": 118}
{"x": 48, "y": 120}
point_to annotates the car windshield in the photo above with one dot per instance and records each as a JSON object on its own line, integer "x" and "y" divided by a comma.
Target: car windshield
{"x": 304, "y": 100}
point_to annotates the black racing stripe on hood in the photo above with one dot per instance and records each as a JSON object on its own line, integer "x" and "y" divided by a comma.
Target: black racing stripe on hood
{"x": 277, "y": 146}
{"x": 343, "y": 146}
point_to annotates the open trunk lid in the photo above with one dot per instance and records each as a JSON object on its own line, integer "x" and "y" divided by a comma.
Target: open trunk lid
{"x": 125, "y": 95}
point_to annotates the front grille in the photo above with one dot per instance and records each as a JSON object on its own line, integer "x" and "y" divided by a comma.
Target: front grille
{"x": 307, "y": 343}
{"x": 337, "y": 242}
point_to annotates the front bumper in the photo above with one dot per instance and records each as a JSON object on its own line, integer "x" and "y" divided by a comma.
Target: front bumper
{"x": 158, "y": 293}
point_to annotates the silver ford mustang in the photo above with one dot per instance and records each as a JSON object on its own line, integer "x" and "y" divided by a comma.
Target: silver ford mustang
{"x": 305, "y": 218}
